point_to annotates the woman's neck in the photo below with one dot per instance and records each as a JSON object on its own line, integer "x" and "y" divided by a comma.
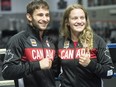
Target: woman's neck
{"x": 74, "y": 37}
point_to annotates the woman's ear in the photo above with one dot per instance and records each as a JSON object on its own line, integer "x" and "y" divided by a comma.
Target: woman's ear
{"x": 29, "y": 17}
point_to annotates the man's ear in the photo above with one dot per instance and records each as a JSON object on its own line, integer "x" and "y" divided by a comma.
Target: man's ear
{"x": 29, "y": 17}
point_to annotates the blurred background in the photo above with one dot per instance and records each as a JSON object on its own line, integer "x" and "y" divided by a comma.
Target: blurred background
{"x": 102, "y": 14}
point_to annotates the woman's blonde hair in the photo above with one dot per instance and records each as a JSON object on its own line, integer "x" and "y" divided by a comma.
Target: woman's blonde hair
{"x": 86, "y": 37}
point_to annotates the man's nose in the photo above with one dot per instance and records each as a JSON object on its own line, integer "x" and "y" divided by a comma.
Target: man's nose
{"x": 45, "y": 18}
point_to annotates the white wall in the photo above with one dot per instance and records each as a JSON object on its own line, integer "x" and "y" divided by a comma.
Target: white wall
{"x": 53, "y": 4}
{"x": 17, "y": 6}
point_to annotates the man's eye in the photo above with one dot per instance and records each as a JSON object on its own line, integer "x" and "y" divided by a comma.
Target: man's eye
{"x": 47, "y": 15}
{"x": 40, "y": 14}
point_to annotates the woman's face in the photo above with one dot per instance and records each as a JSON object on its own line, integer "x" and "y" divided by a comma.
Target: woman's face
{"x": 77, "y": 20}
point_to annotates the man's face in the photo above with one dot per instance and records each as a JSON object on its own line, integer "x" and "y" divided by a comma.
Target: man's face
{"x": 40, "y": 18}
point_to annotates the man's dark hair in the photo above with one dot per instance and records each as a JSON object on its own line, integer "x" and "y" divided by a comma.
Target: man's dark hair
{"x": 36, "y": 4}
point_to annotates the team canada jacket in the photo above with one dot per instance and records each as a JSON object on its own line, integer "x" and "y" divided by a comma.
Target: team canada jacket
{"x": 21, "y": 62}
{"x": 75, "y": 75}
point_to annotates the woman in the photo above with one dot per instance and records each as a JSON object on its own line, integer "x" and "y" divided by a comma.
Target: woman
{"x": 84, "y": 58}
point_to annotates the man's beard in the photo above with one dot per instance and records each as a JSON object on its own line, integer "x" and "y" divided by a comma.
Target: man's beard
{"x": 35, "y": 26}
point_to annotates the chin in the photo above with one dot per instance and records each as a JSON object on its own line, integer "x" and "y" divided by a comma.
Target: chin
{"x": 79, "y": 30}
{"x": 42, "y": 29}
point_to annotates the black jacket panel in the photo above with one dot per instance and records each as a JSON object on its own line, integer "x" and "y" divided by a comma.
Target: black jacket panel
{"x": 24, "y": 50}
{"x": 75, "y": 75}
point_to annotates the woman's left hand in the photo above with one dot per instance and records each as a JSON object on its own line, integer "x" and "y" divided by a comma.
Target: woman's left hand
{"x": 84, "y": 59}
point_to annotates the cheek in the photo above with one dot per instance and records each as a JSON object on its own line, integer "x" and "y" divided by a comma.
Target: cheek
{"x": 48, "y": 19}
{"x": 85, "y": 22}
{"x": 71, "y": 23}
{"x": 33, "y": 18}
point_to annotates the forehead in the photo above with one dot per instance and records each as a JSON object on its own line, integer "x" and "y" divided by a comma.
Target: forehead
{"x": 41, "y": 11}
{"x": 77, "y": 12}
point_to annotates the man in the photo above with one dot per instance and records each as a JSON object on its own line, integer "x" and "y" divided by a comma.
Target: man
{"x": 30, "y": 53}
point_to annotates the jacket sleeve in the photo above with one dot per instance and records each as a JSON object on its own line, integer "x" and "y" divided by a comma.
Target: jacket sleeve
{"x": 53, "y": 36}
{"x": 103, "y": 68}
{"x": 13, "y": 66}
{"x": 56, "y": 66}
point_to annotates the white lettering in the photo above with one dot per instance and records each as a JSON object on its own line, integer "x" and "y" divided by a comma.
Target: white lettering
{"x": 37, "y": 54}
{"x": 77, "y": 53}
{"x": 62, "y": 54}
{"x": 67, "y": 54}
{"x": 33, "y": 54}
{"x": 71, "y": 54}
{"x": 40, "y": 54}
{"x": 49, "y": 54}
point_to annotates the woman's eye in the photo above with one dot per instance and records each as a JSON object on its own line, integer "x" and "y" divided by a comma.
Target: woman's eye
{"x": 74, "y": 18}
{"x": 82, "y": 17}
